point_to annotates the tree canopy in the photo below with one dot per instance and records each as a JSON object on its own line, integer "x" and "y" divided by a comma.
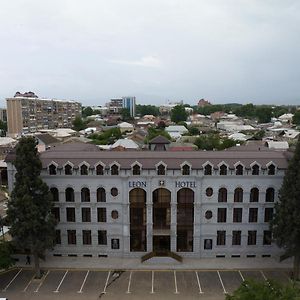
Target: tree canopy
{"x": 286, "y": 223}
{"x": 107, "y": 137}
{"x": 125, "y": 113}
{"x": 78, "y": 124}
{"x": 154, "y": 132}
{"x": 178, "y": 114}
{"x": 143, "y": 110}
{"x": 32, "y": 226}
{"x": 213, "y": 142}
{"x": 87, "y": 111}
{"x": 296, "y": 117}
{"x": 6, "y": 260}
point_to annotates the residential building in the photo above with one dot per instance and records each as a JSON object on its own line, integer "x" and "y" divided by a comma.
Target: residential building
{"x": 28, "y": 113}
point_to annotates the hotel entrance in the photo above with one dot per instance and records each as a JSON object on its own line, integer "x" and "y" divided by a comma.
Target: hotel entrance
{"x": 161, "y": 243}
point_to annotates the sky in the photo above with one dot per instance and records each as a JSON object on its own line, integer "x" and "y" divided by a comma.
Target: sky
{"x": 157, "y": 50}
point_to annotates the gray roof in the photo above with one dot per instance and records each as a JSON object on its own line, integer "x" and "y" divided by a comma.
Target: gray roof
{"x": 159, "y": 140}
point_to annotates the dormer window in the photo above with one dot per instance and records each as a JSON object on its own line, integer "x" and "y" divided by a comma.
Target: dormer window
{"x": 114, "y": 170}
{"x": 99, "y": 170}
{"x": 83, "y": 170}
{"x": 271, "y": 169}
{"x": 161, "y": 170}
{"x": 255, "y": 169}
{"x": 239, "y": 170}
{"x": 136, "y": 170}
{"x": 208, "y": 170}
{"x": 68, "y": 170}
{"x": 223, "y": 170}
{"x": 186, "y": 170}
{"x": 52, "y": 169}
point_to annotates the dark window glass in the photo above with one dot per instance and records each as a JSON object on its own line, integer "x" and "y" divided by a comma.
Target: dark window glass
{"x": 114, "y": 170}
{"x": 115, "y": 214}
{"x": 114, "y": 192}
{"x": 254, "y": 195}
{"x": 252, "y": 237}
{"x": 86, "y": 214}
{"x": 70, "y": 214}
{"x": 221, "y": 237}
{"x": 208, "y": 170}
{"x": 207, "y": 244}
{"x": 71, "y": 237}
{"x": 237, "y": 215}
{"x": 238, "y": 195}
{"x": 86, "y": 237}
{"x": 70, "y": 195}
{"x": 85, "y": 195}
{"x": 52, "y": 169}
{"x": 136, "y": 170}
{"x": 161, "y": 209}
{"x": 101, "y": 195}
{"x": 102, "y": 237}
{"x": 271, "y": 170}
{"x": 236, "y": 237}
{"x": 68, "y": 170}
{"x": 253, "y": 211}
{"x": 208, "y": 214}
{"x": 99, "y": 170}
{"x": 222, "y": 215}
{"x": 101, "y": 214}
{"x": 223, "y": 170}
{"x": 57, "y": 237}
{"x": 209, "y": 192}
{"x": 255, "y": 170}
{"x": 222, "y": 195}
{"x": 239, "y": 170}
{"x": 268, "y": 214}
{"x": 56, "y": 213}
{"x": 270, "y": 194}
{"x": 115, "y": 244}
{"x": 186, "y": 170}
{"x": 54, "y": 193}
{"x": 161, "y": 170}
{"x": 84, "y": 170}
{"x": 267, "y": 237}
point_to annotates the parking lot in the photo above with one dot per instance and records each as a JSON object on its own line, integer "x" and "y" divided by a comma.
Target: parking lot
{"x": 116, "y": 284}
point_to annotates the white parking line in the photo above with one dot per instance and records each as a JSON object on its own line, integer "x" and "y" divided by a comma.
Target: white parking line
{"x": 84, "y": 280}
{"x": 4, "y": 290}
{"x": 175, "y": 282}
{"x": 152, "y": 287}
{"x": 222, "y": 283}
{"x": 106, "y": 283}
{"x": 57, "y": 289}
{"x": 241, "y": 275}
{"x": 199, "y": 285}
{"x": 26, "y": 287}
{"x": 263, "y": 275}
{"x": 129, "y": 283}
{"x": 42, "y": 281}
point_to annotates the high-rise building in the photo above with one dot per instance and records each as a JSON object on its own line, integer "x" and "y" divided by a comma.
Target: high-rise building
{"x": 29, "y": 113}
{"x": 129, "y": 103}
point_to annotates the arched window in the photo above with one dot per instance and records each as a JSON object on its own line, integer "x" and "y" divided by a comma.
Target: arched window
{"x": 223, "y": 170}
{"x": 85, "y": 195}
{"x": 271, "y": 170}
{"x": 222, "y": 195}
{"x": 136, "y": 170}
{"x": 161, "y": 170}
{"x": 101, "y": 195}
{"x": 68, "y": 170}
{"x": 55, "y": 195}
{"x": 255, "y": 170}
{"x": 84, "y": 170}
{"x": 114, "y": 170}
{"x": 161, "y": 209}
{"x": 254, "y": 195}
{"x": 238, "y": 195}
{"x": 52, "y": 169}
{"x": 99, "y": 170}
{"x": 208, "y": 170}
{"x": 239, "y": 170}
{"x": 270, "y": 195}
{"x": 69, "y": 195}
{"x": 186, "y": 170}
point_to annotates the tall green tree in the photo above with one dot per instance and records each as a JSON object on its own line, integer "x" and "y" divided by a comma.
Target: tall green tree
{"x": 6, "y": 260}
{"x": 178, "y": 114}
{"x": 296, "y": 117}
{"x": 125, "y": 113}
{"x": 32, "y": 226}
{"x": 87, "y": 111}
{"x": 286, "y": 222}
{"x": 78, "y": 124}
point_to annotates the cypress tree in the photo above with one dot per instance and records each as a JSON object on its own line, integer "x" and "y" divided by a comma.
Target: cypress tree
{"x": 286, "y": 222}
{"x": 32, "y": 225}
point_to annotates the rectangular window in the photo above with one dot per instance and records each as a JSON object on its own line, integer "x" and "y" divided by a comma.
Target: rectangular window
{"x": 70, "y": 214}
{"x": 56, "y": 213}
{"x": 222, "y": 215}
{"x": 102, "y": 237}
{"x": 268, "y": 214}
{"x": 237, "y": 215}
{"x": 267, "y": 237}
{"x": 86, "y": 237}
{"x": 221, "y": 237}
{"x": 57, "y": 237}
{"x": 86, "y": 214}
{"x": 71, "y": 237}
{"x": 115, "y": 244}
{"x": 252, "y": 237}
{"x": 253, "y": 215}
{"x": 236, "y": 237}
{"x": 101, "y": 213}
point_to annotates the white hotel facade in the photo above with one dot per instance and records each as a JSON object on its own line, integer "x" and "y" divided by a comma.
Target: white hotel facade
{"x": 130, "y": 203}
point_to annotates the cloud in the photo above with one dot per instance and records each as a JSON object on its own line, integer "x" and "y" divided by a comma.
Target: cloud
{"x": 146, "y": 61}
